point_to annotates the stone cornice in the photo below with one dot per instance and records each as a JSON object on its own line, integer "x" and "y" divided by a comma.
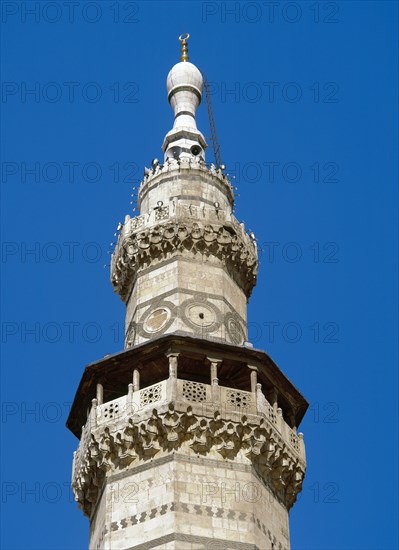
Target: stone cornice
{"x": 141, "y": 247}
{"x": 116, "y": 446}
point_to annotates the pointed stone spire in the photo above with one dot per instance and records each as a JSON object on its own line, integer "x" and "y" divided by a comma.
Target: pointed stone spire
{"x": 184, "y": 86}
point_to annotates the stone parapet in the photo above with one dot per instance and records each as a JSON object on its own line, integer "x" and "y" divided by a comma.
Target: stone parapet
{"x": 189, "y": 179}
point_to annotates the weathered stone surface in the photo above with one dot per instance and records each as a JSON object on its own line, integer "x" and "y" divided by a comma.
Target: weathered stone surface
{"x": 180, "y": 463}
{"x": 189, "y": 239}
{"x": 212, "y": 422}
{"x": 186, "y": 241}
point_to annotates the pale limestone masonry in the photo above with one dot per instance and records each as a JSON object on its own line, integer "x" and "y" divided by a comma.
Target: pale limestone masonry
{"x": 149, "y": 458}
{"x": 185, "y": 264}
{"x": 188, "y": 437}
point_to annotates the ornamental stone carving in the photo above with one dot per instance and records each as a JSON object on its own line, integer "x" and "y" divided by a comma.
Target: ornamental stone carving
{"x": 192, "y": 239}
{"x": 179, "y": 428}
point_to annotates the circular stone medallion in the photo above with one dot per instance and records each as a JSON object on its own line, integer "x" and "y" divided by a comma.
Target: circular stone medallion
{"x": 157, "y": 319}
{"x": 201, "y": 315}
{"x": 234, "y": 329}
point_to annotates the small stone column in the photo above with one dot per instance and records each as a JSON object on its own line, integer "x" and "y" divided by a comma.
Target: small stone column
{"x": 136, "y": 380}
{"x": 302, "y": 446}
{"x": 93, "y": 413}
{"x": 214, "y": 373}
{"x": 130, "y": 392}
{"x": 254, "y": 378}
{"x": 172, "y": 382}
{"x": 100, "y": 394}
{"x": 214, "y": 364}
{"x": 280, "y": 420}
{"x": 172, "y": 364}
{"x": 260, "y": 399}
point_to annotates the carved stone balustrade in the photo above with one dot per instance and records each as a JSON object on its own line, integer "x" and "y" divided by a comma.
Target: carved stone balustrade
{"x": 203, "y": 420}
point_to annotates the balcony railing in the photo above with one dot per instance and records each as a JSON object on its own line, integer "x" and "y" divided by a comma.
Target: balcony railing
{"x": 224, "y": 399}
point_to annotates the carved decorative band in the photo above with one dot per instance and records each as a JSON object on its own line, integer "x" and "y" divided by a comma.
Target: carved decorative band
{"x": 142, "y": 440}
{"x": 185, "y": 88}
{"x": 140, "y": 249}
{"x": 196, "y": 510}
{"x": 186, "y": 113}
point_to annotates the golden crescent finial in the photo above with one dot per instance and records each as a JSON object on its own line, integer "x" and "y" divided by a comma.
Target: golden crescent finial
{"x": 184, "y": 48}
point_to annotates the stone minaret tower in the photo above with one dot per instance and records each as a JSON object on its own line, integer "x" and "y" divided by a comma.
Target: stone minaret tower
{"x": 188, "y": 437}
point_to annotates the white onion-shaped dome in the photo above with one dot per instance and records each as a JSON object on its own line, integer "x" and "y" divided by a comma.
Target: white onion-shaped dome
{"x": 184, "y": 74}
{"x": 184, "y": 86}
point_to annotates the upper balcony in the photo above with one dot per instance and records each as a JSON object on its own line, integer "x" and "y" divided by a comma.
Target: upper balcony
{"x": 191, "y": 180}
{"x": 174, "y": 227}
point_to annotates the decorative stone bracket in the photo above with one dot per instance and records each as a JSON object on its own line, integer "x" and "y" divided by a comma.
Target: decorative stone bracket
{"x": 178, "y": 427}
{"x": 143, "y": 248}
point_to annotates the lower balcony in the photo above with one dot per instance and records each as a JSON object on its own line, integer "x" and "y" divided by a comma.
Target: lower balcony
{"x": 173, "y": 415}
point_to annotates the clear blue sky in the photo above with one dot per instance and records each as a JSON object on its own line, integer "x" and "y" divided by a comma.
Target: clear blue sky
{"x": 310, "y": 91}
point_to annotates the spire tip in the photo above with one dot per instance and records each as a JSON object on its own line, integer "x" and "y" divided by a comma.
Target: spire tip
{"x": 184, "y": 48}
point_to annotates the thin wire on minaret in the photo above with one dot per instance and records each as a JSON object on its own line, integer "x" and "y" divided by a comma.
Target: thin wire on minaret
{"x": 212, "y": 126}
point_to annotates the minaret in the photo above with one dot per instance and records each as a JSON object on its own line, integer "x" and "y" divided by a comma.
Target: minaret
{"x": 188, "y": 437}
{"x": 185, "y": 265}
